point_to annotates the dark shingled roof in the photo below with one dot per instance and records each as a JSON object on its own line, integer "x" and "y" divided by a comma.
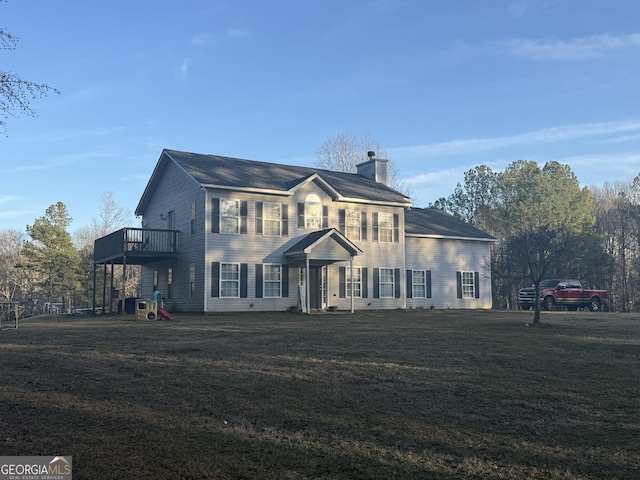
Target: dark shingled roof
{"x": 429, "y": 221}
{"x": 236, "y": 172}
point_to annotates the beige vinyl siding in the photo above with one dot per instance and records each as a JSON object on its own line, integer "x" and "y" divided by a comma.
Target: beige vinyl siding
{"x": 255, "y": 249}
{"x": 445, "y": 257}
{"x": 177, "y": 191}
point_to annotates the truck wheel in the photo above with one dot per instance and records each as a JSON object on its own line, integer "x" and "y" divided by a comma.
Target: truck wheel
{"x": 595, "y": 305}
{"x": 548, "y": 303}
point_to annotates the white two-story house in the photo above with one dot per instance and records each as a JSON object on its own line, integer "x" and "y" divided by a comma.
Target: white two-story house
{"x": 226, "y": 234}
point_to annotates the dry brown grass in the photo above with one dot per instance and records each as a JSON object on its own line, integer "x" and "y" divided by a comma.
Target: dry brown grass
{"x": 405, "y": 394}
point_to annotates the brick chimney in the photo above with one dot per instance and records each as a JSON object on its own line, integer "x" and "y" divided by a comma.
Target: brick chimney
{"x": 374, "y": 168}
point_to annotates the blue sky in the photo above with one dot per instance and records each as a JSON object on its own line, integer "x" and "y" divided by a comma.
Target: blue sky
{"x": 442, "y": 85}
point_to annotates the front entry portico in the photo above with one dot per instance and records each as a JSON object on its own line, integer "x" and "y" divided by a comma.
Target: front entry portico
{"x": 312, "y": 253}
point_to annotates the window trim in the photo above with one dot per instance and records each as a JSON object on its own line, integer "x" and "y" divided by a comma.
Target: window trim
{"x": 223, "y": 216}
{"x": 265, "y": 281}
{"x": 392, "y": 283}
{"x": 421, "y": 284}
{"x": 228, "y": 281}
{"x": 468, "y": 288}
{"x": 265, "y": 219}
{"x": 192, "y": 280}
{"x": 357, "y": 228}
{"x": 193, "y": 218}
{"x": 358, "y": 283}
{"x": 313, "y": 200}
{"x": 388, "y": 230}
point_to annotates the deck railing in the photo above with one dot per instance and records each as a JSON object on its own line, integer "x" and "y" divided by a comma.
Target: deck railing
{"x": 136, "y": 242}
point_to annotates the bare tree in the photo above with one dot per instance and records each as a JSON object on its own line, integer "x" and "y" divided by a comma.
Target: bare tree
{"x": 15, "y": 92}
{"x": 344, "y": 151}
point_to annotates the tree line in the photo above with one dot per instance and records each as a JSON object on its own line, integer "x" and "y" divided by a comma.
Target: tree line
{"x": 47, "y": 265}
{"x": 548, "y": 226}
{"x": 545, "y": 224}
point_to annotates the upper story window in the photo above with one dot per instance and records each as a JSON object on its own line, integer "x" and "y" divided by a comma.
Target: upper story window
{"x": 352, "y": 224}
{"x": 229, "y": 216}
{"x": 193, "y": 219}
{"x": 272, "y": 215}
{"x": 313, "y": 212}
{"x": 385, "y": 227}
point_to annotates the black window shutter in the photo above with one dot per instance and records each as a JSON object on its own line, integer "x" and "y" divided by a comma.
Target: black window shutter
{"x": 363, "y": 226}
{"x": 285, "y": 281}
{"x": 215, "y": 215}
{"x": 409, "y": 283}
{"x": 342, "y": 274}
{"x": 342, "y": 216}
{"x": 243, "y": 216}
{"x": 243, "y": 280}
{"x": 300, "y": 215}
{"x": 258, "y": 280}
{"x": 459, "y": 283}
{"x": 258, "y": 218}
{"x": 285, "y": 220}
{"x": 476, "y": 283}
{"x": 376, "y": 283}
{"x": 325, "y": 216}
{"x": 396, "y": 278}
{"x": 428, "y": 281}
{"x": 375, "y": 227}
{"x": 365, "y": 283}
{"x": 215, "y": 279}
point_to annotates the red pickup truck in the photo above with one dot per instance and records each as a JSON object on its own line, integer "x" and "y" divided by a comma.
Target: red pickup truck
{"x": 567, "y": 293}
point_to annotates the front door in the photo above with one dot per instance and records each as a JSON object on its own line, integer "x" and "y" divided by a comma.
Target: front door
{"x": 318, "y": 288}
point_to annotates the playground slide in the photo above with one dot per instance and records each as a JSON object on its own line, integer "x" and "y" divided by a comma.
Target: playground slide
{"x": 164, "y": 314}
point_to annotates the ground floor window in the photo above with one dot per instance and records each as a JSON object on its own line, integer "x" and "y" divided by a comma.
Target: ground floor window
{"x": 387, "y": 283}
{"x": 230, "y": 280}
{"x": 357, "y": 282}
{"x": 419, "y": 282}
{"x": 192, "y": 281}
{"x": 468, "y": 285}
{"x": 272, "y": 280}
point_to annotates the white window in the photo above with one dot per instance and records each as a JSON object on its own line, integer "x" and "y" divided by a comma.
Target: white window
{"x": 229, "y": 216}
{"x": 357, "y": 282}
{"x": 419, "y": 282}
{"x": 385, "y": 227}
{"x": 468, "y": 285}
{"x": 352, "y": 221}
{"x": 229, "y": 280}
{"x": 192, "y": 281}
{"x": 387, "y": 285}
{"x": 272, "y": 281}
{"x": 313, "y": 212}
{"x": 193, "y": 219}
{"x": 271, "y": 219}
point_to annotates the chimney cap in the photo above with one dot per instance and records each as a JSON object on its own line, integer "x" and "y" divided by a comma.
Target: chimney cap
{"x": 371, "y": 154}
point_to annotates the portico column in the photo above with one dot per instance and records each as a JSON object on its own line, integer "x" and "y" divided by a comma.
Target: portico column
{"x": 352, "y": 292}
{"x": 308, "y": 300}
